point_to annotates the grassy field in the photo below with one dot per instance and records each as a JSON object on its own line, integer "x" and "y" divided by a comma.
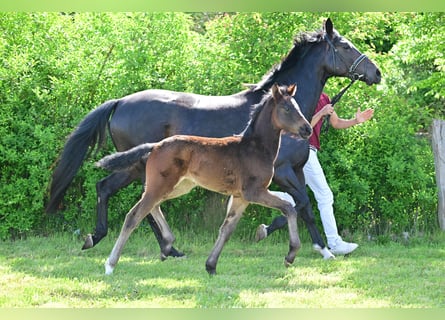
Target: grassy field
{"x": 54, "y": 272}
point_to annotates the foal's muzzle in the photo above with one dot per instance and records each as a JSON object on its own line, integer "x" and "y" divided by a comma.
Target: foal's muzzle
{"x": 305, "y": 131}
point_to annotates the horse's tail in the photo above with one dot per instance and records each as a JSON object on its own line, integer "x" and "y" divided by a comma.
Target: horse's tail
{"x": 90, "y": 132}
{"x": 125, "y": 159}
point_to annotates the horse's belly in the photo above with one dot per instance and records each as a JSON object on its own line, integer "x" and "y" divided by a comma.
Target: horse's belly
{"x": 222, "y": 179}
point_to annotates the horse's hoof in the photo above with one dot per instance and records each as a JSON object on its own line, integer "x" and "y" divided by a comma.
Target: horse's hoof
{"x": 211, "y": 270}
{"x": 88, "y": 242}
{"x": 163, "y": 257}
{"x": 327, "y": 255}
{"x": 176, "y": 254}
{"x": 261, "y": 232}
{"x": 287, "y": 263}
{"x": 108, "y": 268}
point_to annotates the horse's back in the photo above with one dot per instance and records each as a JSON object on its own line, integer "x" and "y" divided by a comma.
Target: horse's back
{"x": 152, "y": 115}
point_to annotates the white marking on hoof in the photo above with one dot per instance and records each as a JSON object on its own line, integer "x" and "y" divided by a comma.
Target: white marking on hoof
{"x": 327, "y": 255}
{"x": 108, "y": 268}
{"x": 88, "y": 242}
{"x": 287, "y": 264}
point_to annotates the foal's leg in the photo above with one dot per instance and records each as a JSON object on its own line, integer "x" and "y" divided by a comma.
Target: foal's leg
{"x": 158, "y": 234}
{"x": 132, "y": 220}
{"x": 182, "y": 188}
{"x": 265, "y": 198}
{"x": 235, "y": 209}
{"x": 166, "y": 238}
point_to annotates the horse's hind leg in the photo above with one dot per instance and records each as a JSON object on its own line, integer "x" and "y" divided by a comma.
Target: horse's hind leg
{"x": 155, "y": 192}
{"x": 235, "y": 209}
{"x": 183, "y": 188}
{"x": 166, "y": 237}
{"x": 158, "y": 234}
{"x": 132, "y": 220}
{"x": 105, "y": 189}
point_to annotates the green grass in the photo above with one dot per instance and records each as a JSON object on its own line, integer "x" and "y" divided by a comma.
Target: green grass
{"x": 54, "y": 272}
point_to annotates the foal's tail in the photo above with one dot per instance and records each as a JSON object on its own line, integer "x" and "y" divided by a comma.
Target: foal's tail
{"x": 89, "y": 133}
{"x": 125, "y": 159}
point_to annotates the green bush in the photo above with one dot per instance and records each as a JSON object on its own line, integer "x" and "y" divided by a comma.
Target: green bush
{"x": 382, "y": 172}
{"x": 57, "y": 67}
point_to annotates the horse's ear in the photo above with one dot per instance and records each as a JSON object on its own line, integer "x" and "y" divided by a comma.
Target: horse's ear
{"x": 292, "y": 89}
{"x": 276, "y": 93}
{"x": 329, "y": 27}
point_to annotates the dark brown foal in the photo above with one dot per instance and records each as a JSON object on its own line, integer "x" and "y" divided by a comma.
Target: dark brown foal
{"x": 241, "y": 166}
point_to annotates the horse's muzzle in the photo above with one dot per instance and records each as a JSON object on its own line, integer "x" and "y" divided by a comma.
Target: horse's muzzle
{"x": 305, "y": 131}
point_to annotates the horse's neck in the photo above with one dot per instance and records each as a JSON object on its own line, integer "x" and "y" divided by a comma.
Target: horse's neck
{"x": 262, "y": 131}
{"x": 310, "y": 77}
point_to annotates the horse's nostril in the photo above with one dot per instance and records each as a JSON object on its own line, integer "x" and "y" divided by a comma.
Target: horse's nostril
{"x": 306, "y": 131}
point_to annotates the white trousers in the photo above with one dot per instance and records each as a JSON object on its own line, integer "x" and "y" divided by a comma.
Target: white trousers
{"x": 316, "y": 180}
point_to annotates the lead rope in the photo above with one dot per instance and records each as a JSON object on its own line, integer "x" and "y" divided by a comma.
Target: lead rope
{"x": 337, "y": 98}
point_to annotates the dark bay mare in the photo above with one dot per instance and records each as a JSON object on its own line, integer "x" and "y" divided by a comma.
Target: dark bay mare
{"x": 241, "y": 166}
{"x": 152, "y": 115}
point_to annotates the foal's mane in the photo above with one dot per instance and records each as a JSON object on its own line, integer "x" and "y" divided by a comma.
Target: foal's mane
{"x": 256, "y": 110}
{"x": 302, "y": 42}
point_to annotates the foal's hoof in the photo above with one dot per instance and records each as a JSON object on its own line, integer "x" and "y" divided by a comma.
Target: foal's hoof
{"x": 287, "y": 263}
{"x": 108, "y": 268}
{"x": 88, "y": 242}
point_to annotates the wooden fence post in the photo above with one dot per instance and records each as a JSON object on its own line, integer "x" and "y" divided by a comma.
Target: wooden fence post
{"x": 439, "y": 160}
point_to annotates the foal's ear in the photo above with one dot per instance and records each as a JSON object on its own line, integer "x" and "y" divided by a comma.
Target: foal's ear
{"x": 292, "y": 89}
{"x": 276, "y": 93}
{"x": 328, "y": 27}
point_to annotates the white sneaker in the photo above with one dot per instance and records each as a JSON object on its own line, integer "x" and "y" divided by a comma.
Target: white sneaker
{"x": 261, "y": 232}
{"x": 342, "y": 247}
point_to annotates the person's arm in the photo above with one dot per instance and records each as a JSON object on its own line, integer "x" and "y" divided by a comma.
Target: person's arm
{"x": 360, "y": 117}
{"x": 326, "y": 110}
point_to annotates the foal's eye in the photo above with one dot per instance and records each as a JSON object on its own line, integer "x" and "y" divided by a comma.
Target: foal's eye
{"x": 286, "y": 108}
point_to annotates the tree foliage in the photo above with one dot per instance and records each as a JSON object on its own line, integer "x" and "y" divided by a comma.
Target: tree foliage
{"x": 57, "y": 67}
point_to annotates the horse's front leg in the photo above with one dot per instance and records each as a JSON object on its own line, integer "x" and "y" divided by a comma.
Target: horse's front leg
{"x": 293, "y": 182}
{"x": 266, "y": 198}
{"x": 105, "y": 189}
{"x": 235, "y": 209}
{"x": 294, "y": 238}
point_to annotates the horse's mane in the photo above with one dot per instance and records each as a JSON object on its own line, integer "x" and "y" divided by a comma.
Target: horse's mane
{"x": 302, "y": 42}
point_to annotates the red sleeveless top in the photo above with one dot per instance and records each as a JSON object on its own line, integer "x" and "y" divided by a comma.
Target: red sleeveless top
{"x": 314, "y": 139}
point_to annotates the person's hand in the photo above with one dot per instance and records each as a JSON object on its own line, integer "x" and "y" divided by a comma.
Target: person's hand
{"x": 327, "y": 110}
{"x": 361, "y": 117}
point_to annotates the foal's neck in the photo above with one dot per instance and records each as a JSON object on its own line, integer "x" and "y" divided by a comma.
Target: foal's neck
{"x": 262, "y": 132}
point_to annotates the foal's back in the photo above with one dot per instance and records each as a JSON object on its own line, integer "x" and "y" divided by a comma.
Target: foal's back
{"x": 217, "y": 164}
